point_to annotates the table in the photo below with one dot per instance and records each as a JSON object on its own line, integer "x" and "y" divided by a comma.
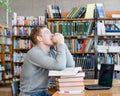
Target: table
{"x": 114, "y": 91}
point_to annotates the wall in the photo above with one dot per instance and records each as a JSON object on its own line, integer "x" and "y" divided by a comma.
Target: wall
{"x": 37, "y": 7}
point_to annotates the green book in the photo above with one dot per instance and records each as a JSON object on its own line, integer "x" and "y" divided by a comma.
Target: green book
{"x": 64, "y": 28}
{"x": 75, "y": 12}
{"x": 90, "y": 27}
{"x": 71, "y": 12}
{"x": 80, "y": 12}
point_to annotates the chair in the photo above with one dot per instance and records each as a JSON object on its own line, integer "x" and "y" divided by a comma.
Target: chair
{"x": 15, "y": 85}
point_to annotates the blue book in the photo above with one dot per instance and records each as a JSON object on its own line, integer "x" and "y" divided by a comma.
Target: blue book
{"x": 100, "y": 9}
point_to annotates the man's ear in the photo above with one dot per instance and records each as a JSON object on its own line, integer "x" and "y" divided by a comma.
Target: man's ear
{"x": 39, "y": 38}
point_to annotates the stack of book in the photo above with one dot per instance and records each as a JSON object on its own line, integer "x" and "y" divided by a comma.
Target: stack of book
{"x": 69, "y": 81}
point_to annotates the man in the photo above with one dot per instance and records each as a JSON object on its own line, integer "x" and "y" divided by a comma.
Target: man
{"x": 34, "y": 80}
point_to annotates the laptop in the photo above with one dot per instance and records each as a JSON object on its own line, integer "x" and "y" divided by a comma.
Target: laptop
{"x": 105, "y": 78}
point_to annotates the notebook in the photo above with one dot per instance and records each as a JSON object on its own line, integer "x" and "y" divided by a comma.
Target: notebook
{"x": 105, "y": 78}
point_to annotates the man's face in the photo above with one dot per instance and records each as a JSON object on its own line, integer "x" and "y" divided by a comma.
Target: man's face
{"x": 46, "y": 36}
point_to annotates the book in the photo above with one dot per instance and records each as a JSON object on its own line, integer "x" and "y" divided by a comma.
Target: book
{"x": 76, "y": 11}
{"x": 90, "y": 10}
{"x": 115, "y": 15}
{"x": 116, "y": 49}
{"x": 68, "y": 79}
{"x": 102, "y": 48}
{"x": 71, "y": 92}
{"x": 56, "y": 11}
{"x": 78, "y": 75}
{"x": 68, "y": 93}
{"x": 71, "y": 88}
{"x": 83, "y": 45}
{"x": 49, "y": 11}
{"x": 66, "y": 72}
{"x": 71, "y": 12}
{"x": 80, "y": 12}
{"x": 70, "y": 84}
{"x": 90, "y": 27}
{"x": 100, "y": 9}
{"x": 87, "y": 47}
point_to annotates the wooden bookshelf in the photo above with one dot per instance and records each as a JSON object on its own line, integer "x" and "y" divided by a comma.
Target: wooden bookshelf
{"x": 109, "y": 13}
{"x": 6, "y": 53}
{"x": 105, "y": 37}
{"x": 21, "y": 44}
{"x": 21, "y": 40}
{"x": 66, "y": 19}
{"x": 79, "y": 56}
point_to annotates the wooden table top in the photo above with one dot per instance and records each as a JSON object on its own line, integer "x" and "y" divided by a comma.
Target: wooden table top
{"x": 114, "y": 91}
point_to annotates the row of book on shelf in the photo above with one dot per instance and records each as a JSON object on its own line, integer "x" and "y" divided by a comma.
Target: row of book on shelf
{"x": 54, "y": 11}
{"x": 80, "y": 45}
{"x": 18, "y": 56}
{"x": 5, "y": 71}
{"x": 5, "y": 32}
{"x": 6, "y": 48}
{"x": 17, "y": 70}
{"x": 106, "y": 48}
{"x": 7, "y": 57}
{"x": 27, "y": 21}
{"x": 108, "y": 27}
{"x": 22, "y": 44}
{"x": 86, "y": 61}
{"x": 7, "y": 74}
{"x": 71, "y": 28}
{"x": 5, "y": 40}
{"x": 21, "y": 30}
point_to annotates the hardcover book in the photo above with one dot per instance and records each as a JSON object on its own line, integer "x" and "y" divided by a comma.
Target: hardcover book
{"x": 90, "y": 10}
{"x": 65, "y": 72}
{"x": 70, "y": 84}
{"x": 100, "y": 9}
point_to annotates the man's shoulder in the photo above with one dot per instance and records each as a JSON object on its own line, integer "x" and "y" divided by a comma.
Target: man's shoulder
{"x": 35, "y": 50}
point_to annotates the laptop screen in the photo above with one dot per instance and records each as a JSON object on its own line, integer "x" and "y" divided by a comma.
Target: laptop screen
{"x": 106, "y": 75}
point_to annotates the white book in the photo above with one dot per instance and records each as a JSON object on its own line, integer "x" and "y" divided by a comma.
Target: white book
{"x": 71, "y": 88}
{"x": 69, "y": 79}
{"x": 79, "y": 74}
{"x": 71, "y": 92}
{"x": 66, "y": 72}
{"x": 114, "y": 49}
{"x": 100, "y": 9}
{"x": 70, "y": 84}
{"x": 115, "y": 15}
{"x": 90, "y": 10}
{"x": 102, "y": 48}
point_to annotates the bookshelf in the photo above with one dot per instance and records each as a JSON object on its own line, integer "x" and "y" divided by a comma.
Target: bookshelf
{"x": 5, "y": 53}
{"x": 63, "y": 25}
{"x": 21, "y": 44}
{"x": 21, "y": 28}
{"x": 109, "y": 42}
{"x": 79, "y": 35}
